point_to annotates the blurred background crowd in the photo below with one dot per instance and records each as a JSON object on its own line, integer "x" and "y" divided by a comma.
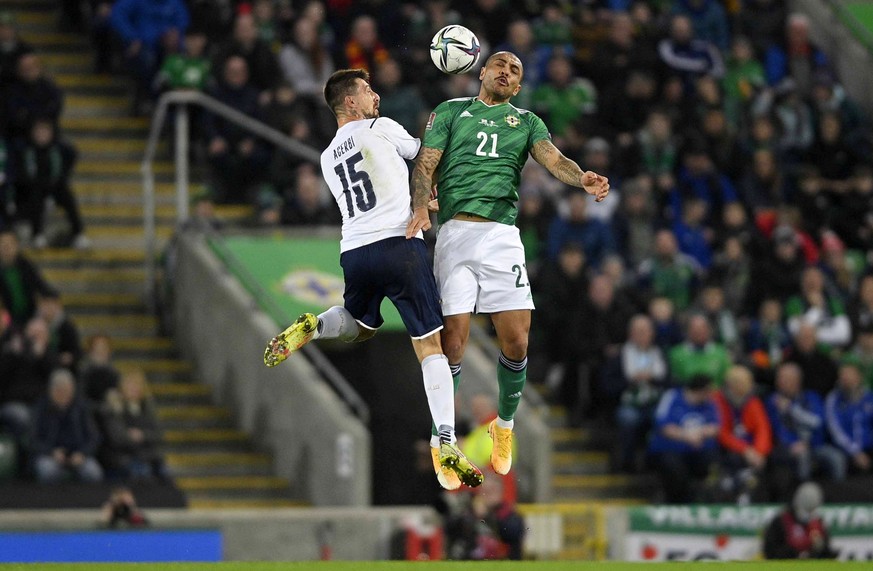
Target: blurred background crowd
{"x": 717, "y": 309}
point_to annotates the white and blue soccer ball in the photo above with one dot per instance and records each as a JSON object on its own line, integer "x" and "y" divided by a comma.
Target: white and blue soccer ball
{"x": 454, "y": 49}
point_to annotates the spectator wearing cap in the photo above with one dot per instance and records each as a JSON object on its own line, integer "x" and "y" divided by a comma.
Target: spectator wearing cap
{"x": 815, "y": 305}
{"x": 849, "y": 414}
{"x": 776, "y": 273}
{"x": 684, "y": 444}
{"x": 800, "y": 449}
{"x": 11, "y": 47}
{"x": 798, "y": 532}
{"x": 65, "y": 437}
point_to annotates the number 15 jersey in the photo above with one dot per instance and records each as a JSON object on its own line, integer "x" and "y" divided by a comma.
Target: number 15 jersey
{"x": 365, "y": 169}
{"x": 484, "y": 149}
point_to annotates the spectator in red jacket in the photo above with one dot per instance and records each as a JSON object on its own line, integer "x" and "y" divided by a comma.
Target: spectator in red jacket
{"x": 746, "y": 436}
{"x": 364, "y": 49}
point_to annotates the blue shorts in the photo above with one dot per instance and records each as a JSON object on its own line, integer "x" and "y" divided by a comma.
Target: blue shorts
{"x": 398, "y": 269}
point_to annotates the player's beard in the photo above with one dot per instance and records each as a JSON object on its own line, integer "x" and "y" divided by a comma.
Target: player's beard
{"x": 500, "y": 92}
{"x": 372, "y": 114}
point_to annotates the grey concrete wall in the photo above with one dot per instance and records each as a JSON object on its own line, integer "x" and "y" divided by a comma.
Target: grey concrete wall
{"x": 849, "y": 57}
{"x": 317, "y": 443}
{"x": 261, "y": 535}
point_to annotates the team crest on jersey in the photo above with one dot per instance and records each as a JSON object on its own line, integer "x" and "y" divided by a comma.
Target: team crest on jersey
{"x": 314, "y": 287}
{"x": 512, "y": 120}
{"x": 430, "y": 119}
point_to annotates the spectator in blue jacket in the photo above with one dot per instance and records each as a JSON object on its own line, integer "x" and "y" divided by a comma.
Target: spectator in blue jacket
{"x": 595, "y": 236}
{"x": 849, "y": 413}
{"x": 797, "y": 57}
{"x": 683, "y": 444}
{"x": 799, "y": 447}
{"x": 687, "y": 56}
{"x": 708, "y": 19}
{"x": 147, "y": 27}
{"x": 65, "y": 436}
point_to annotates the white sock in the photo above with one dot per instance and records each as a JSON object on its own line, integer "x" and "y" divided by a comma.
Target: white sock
{"x": 505, "y": 423}
{"x": 440, "y": 391}
{"x": 336, "y": 323}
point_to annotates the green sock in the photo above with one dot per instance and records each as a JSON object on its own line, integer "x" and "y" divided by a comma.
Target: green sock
{"x": 511, "y": 376}
{"x": 456, "y": 379}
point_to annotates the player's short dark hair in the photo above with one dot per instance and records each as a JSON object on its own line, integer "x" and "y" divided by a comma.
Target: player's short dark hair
{"x": 342, "y": 84}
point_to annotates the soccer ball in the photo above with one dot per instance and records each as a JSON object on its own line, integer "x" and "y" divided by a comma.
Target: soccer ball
{"x": 454, "y": 49}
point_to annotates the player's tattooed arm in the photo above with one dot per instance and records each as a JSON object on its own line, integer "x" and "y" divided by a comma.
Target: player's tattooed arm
{"x": 422, "y": 183}
{"x": 422, "y": 176}
{"x": 567, "y": 171}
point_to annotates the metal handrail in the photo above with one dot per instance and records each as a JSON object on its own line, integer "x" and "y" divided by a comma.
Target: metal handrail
{"x": 183, "y": 99}
{"x": 268, "y": 303}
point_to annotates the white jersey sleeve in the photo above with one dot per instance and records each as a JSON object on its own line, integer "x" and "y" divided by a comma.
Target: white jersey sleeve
{"x": 365, "y": 169}
{"x": 407, "y": 146}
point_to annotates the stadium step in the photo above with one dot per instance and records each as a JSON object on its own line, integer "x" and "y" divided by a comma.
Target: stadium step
{"x": 216, "y": 464}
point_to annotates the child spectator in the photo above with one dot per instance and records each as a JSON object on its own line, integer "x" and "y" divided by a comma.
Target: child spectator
{"x": 188, "y": 69}
{"x": 43, "y": 166}
{"x": 98, "y": 374}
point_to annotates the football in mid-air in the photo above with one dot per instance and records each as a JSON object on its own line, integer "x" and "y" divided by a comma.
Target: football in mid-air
{"x": 454, "y": 49}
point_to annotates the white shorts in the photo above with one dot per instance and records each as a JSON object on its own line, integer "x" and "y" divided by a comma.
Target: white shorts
{"x": 479, "y": 266}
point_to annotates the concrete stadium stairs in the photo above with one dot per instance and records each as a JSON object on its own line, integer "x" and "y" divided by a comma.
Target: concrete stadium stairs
{"x": 581, "y": 471}
{"x": 216, "y": 465}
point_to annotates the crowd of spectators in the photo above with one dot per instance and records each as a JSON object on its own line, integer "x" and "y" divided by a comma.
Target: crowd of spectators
{"x": 71, "y": 415}
{"x": 36, "y": 161}
{"x": 718, "y": 307}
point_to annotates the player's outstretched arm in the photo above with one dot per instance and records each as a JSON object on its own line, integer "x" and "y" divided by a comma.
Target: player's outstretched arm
{"x": 422, "y": 182}
{"x": 567, "y": 171}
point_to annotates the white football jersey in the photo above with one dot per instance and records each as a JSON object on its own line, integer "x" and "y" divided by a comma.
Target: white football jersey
{"x": 369, "y": 179}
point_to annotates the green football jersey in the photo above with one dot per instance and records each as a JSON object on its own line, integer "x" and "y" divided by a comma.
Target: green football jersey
{"x": 484, "y": 149}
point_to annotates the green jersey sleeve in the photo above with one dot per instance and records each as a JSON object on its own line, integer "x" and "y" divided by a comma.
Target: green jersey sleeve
{"x": 439, "y": 127}
{"x": 538, "y": 130}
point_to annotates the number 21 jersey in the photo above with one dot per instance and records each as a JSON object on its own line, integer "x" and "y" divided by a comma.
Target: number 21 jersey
{"x": 484, "y": 149}
{"x": 365, "y": 169}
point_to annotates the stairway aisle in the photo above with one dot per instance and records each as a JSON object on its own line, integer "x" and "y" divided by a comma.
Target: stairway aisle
{"x": 213, "y": 463}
